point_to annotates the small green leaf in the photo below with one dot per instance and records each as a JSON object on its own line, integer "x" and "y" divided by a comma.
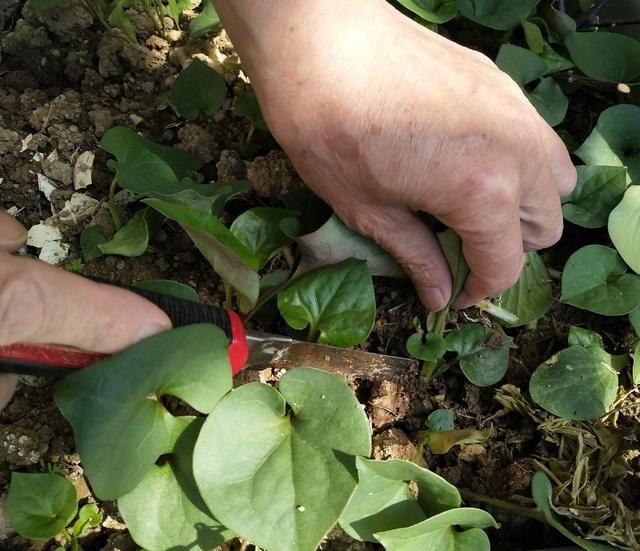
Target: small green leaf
{"x": 230, "y": 258}
{"x": 482, "y": 352}
{"x": 530, "y": 297}
{"x": 119, "y": 18}
{"x": 267, "y": 465}
{"x": 383, "y": 500}
{"x": 598, "y": 191}
{"x": 170, "y": 288}
{"x": 260, "y": 231}
{"x": 206, "y": 21}
{"x": 210, "y": 198}
{"x": 634, "y": 319}
{"x": 434, "y": 11}
{"x": 441, "y": 442}
{"x": 165, "y": 511}
{"x": 533, "y": 36}
{"x": 554, "y": 61}
{"x": 121, "y": 430}
{"x": 427, "y": 347}
{"x": 40, "y": 505}
{"x": 440, "y": 420}
{"x": 336, "y": 302}
{"x": 454, "y": 530}
{"x": 198, "y": 89}
{"x": 497, "y": 14}
{"x": 606, "y": 56}
{"x": 584, "y": 337}
{"x": 175, "y": 9}
{"x": 624, "y": 227}
{"x": 451, "y": 245}
{"x": 133, "y": 238}
{"x": 578, "y": 383}
{"x": 89, "y": 516}
{"x": 145, "y": 167}
{"x": 615, "y": 141}
{"x": 247, "y": 106}
{"x": 90, "y": 238}
{"x": 549, "y": 100}
{"x": 635, "y": 374}
{"x": 595, "y": 278}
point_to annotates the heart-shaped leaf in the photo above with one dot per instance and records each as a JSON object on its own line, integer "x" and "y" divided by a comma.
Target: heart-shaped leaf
{"x": 624, "y": 227}
{"x": 230, "y": 258}
{"x": 427, "y": 347}
{"x": 336, "y": 302}
{"x": 584, "y": 337}
{"x": 282, "y": 479}
{"x": 598, "y": 191}
{"x": 440, "y": 420}
{"x": 206, "y": 21}
{"x": 165, "y": 511}
{"x": 482, "y": 352}
{"x": 595, "y": 278}
{"x": 198, "y": 89}
{"x": 434, "y": 11}
{"x": 383, "y": 500}
{"x": 455, "y": 530}
{"x": 261, "y": 232}
{"x": 549, "y": 100}
{"x": 615, "y": 141}
{"x": 605, "y": 56}
{"x": 40, "y": 505}
{"x": 530, "y": 297}
{"x": 143, "y": 166}
{"x": 497, "y": 14}
{"x": 120, "y": 425}
{"x": 247, "y": 106}
{"x": 133, "y": 238}
{"x": 90, "y": 238}
{"x": 577, "y": 383}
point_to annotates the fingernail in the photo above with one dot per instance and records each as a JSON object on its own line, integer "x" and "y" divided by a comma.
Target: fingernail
{"x": 150, "y": 330}
{"x": 12, "y": 233}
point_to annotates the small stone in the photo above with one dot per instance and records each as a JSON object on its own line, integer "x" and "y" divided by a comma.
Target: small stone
{"x": 388, "y": 404}
{"x": 46, "y": 186}
{"x": 40, "y": 234}
{"x": 272, "y": 175}
{"x": 54, "y": 252}
{"x": 101, "y": 119}
{"x": 393, "y": 444}
{"x": 231, "y": 166}
{"x": 472, "y": 453}
{"x": 82, "y": 170}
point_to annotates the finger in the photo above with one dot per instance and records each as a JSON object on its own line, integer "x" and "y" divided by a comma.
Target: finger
{"x": 541, "y": 222}
{"x": 415, "y": 248}
{"x": 43, "y": 304}
{"x": 562, "y": 169}
{"x": 8, "y": 382}
{"x": 12, "y": 233}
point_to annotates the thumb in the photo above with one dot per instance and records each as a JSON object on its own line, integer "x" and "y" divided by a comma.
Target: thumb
{"x": 414, "y": 246}
{"x": 43, "y": 304}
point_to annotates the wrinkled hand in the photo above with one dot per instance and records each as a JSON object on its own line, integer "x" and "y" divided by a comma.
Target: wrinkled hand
{"x": 43, "y": 304}
{"x": 384, "y": 118}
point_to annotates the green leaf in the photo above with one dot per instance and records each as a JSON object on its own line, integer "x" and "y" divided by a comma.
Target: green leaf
{"x": 441, "y": 441}
{"x": 497, "y": 14}
{"x": 595, "y": 278}
{"x": 635, "y": 373}
{"x": 90, "y": 238}
{"x": 247, "y": 106}
{"x": 584, "y": 337}
{"x": 634, "y": 319}
{"x": 554, "y": 61}
{"x": 40, "y": 505}
{"x": 230, "y": 258}
{"x": 210, "y": 198}
{"x": 121, "y": 430}
{"x": 624, "y": 227}
{"x": 598, "y": 191}
{"x": 615, "y": 141}
{"x": 530, "y": 297}
{"x": 578, "y": 383}
{"x": 440, "y": 420}
{"x": 89, "y": 516}
{"x": 198, "y": 89}
{"x": 605, "y": 56}
{"x": 170, "y": 288}
{"x": 145, "y": 167}
{"x": 434, "y": 11}
{"x": 119, "y": 18}
{"x": 533, "y": 36}
{"x": 334, "y": 242}
{"x": 336, "y": 302}
{"x": 383, "y": 500}
{"x": 550, "y": 101}
{"x": 441, "y": 532}
{"x": 133, "y": 238}
{"x": 451, "y": 245}
{"x": 429, "y": 347}
{"x": 260, "y": 231}
{"x": 482, "y": 352}
{"x": 267, "y": 465}
{"x": 206, "y": 21}
{"x": 175, "y": 9}
{"x": 165, "y": 511}
{"x": 542, "y": 494}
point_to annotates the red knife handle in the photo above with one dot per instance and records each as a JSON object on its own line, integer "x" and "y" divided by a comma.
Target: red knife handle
{"x": 55, "y": 360}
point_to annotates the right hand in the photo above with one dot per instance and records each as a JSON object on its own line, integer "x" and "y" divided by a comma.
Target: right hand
{"x": 43, "y": 304}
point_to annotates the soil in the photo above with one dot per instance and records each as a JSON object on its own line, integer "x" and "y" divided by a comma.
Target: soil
{"x": 64, "y": 82}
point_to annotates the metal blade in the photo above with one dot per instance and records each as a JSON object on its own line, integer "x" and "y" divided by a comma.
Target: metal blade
{"x": 275, "y": 351}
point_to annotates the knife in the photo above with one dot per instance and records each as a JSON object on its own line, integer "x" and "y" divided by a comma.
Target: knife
{"x": 248, "y": 349}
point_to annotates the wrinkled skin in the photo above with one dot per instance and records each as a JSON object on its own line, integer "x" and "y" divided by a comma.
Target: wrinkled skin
{"x": 43, "y": 304}
{"x": 383, "y": 118}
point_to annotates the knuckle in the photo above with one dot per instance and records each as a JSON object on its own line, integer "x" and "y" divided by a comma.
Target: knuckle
{"x": 21, "y": 306}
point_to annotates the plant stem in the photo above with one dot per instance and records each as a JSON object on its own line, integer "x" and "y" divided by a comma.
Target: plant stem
{"x": 113, "y": 209}
{"x": 249, "y": 138}
{"x": 313, "y": 334}
{"x": 228, "y": 295}
{"x": 440, "y": 320}
{"x": 504, "y": 505}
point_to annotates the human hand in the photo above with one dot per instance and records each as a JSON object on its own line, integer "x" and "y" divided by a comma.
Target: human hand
{"x": 383, "y": 118}
{"x": 43, "y": 304}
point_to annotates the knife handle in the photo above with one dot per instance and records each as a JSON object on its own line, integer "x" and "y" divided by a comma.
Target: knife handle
{"x": 50, "y": 360}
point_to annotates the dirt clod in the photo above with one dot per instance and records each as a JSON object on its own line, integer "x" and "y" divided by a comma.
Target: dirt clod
{"x": 393, "y": 444}
{"x": 272, "y": 175}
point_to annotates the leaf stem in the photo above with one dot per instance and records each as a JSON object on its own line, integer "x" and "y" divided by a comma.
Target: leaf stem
{"x": 504, "y": 505}
{"x": 113, "y": 208}
{"x": 440, "y": 319}
{"x": 228, "y": 295}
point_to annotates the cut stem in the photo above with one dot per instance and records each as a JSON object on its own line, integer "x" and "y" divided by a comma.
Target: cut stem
{"x": 113, "y": 208}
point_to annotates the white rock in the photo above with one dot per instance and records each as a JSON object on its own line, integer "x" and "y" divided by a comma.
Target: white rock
{"x": 46, "y": 186}
{"x": 25, "y": 143}
{"x": 14, "y": 211}
{"x": 41, "y": 234}
{"x": 82, "y": 170}
{"x": 53, "y": 156}
{"x": 77, "y": 209}
{"x": 54, "y": 252}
